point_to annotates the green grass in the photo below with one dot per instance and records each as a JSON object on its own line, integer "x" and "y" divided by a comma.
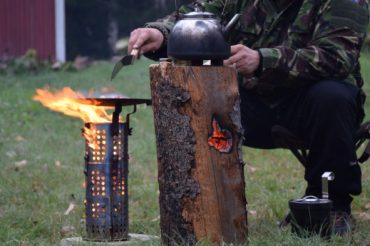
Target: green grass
{"x": 34, "y": 196}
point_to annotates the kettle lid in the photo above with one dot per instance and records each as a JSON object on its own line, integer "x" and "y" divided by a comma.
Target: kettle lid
{"x": 310, "y": 201}
{"x": 199, "y": 15}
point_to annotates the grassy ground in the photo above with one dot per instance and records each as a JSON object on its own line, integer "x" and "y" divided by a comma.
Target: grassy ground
{"x": 41, "y": 157}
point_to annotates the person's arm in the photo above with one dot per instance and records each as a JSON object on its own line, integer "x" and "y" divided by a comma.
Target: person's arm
{"x": 333, "y": 51}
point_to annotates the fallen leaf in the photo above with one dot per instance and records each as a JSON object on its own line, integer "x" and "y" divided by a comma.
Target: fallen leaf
{"x": 21, "y": 163}
{"x": 56, "y": 66}
{"x": 364, "y": 216}
{"x": 23, "y": 243}
{"x": 58, "y": 164}
{"x": 156, "y": 219}
{"x": 252, "y": 212}
{"x": 70, "y": 208}
{"x": 251, "y": 169}
{"x": 19, "y": 138}
{"x": 282, "y": 244}
{"x": 81, "y": 62}
{"x": 367, "y": 206}
{"x": 66, "y": 230}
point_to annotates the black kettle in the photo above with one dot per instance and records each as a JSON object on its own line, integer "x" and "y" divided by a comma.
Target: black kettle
{"x": 200, "y": 36}
{"x": 311, "y": 215}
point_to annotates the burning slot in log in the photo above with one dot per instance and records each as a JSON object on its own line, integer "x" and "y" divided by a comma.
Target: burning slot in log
{"x": 220, "y": 139}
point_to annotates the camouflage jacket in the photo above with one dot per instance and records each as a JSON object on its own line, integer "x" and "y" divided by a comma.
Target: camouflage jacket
{"x": 300, "y": 41}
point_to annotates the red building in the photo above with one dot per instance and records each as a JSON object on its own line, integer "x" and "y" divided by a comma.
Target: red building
{"x": 32, "y": 24}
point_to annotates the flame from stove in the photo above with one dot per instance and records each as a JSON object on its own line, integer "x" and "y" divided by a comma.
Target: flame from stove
{"x": 64, "y": 101}
{"x": 90, "y": 137}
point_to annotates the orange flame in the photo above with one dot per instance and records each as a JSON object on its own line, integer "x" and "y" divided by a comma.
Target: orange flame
{"x": 64, "y": 101}
{"x": 90, "y": 135}
{"x": 220, "y": 139}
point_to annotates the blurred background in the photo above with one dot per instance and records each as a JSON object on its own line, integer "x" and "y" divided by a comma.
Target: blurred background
{"x": 61, "y": 30}
{"x": 65, "y": 29}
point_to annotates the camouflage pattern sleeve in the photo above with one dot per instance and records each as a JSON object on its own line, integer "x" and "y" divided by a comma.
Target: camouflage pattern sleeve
{"x": 333, "y": 51}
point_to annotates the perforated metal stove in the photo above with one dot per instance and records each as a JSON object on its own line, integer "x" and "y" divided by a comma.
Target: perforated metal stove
{"x": 106, "y": 171}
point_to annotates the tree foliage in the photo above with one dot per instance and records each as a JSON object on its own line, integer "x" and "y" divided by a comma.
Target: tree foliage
{"x": 89, "y": 22}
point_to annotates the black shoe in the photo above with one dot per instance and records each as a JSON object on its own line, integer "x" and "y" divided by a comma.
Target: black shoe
{"x": 343, "y": 223}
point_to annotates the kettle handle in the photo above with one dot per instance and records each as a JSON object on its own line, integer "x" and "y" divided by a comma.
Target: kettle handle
{"x": 231, "y": 25}
{"x": 325, "y": 178}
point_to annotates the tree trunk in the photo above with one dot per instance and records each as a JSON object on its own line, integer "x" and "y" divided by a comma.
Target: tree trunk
{"x": 200, "y": 167}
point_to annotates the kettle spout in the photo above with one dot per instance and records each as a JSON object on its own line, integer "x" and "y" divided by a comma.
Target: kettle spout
{"x": 230, "y": 25}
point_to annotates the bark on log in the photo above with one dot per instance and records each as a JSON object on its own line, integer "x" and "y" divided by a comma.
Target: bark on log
{"x": 196, "y": 110}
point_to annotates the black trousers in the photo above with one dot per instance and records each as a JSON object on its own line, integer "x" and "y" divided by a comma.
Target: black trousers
{"x": 325, "y": 115}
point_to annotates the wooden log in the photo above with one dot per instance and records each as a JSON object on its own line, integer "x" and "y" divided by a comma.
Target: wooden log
{"x": 200, "y": 168}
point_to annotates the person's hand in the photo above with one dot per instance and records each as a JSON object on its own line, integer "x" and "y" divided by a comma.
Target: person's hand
{"x": 244, "y": 59}
{"x": 145, "y": 39}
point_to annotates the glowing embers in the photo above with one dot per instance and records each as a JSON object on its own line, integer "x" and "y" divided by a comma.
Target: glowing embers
{"x": 118, "y": 146}
{"x": 220, "y": 139}
{"x": 118, "y": 186}
{"x": 98, "y": 209}
{"x": 98, "y": 183}
{"x": 97, "y": 141}
{"x": 101, "y": 145}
